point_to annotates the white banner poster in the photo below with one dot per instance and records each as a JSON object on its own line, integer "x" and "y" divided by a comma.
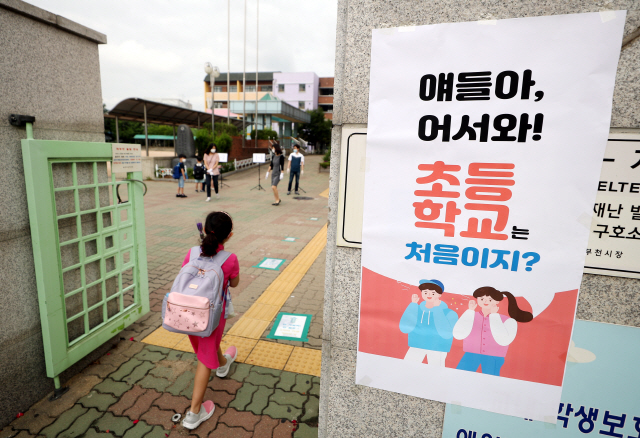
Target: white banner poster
{"x": 485, "y": 143}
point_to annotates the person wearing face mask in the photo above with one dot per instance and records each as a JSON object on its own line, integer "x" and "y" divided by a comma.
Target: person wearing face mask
{"x": 296, "y": 167}
{"x": 429, "y": 325}
{"x": 183, "y": 176}
{"x": 277, "y": 171}
{"x": 212, "y": 162}
{"x": 487, "y": 333}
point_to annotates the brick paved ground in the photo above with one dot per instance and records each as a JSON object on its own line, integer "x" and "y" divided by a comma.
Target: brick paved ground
{"x": 133, "y": 390}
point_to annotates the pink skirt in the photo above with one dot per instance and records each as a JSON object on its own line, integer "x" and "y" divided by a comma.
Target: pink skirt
{"x": 207, "y": 348}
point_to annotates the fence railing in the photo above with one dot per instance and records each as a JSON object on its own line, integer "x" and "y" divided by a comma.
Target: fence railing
{"x": 244, "y": 164}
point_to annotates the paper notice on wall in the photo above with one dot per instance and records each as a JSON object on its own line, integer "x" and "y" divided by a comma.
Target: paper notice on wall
{"x": 473, "y": 247}
{"x": 126, "y": 158}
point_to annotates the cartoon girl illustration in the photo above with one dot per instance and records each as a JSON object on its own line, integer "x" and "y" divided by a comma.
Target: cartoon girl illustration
{"x": 487, "y": 334}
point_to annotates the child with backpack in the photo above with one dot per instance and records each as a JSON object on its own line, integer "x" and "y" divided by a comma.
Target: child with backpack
{"x": 198, "y": 174}
{"x": 180, "y": 173}
{"x": 207, "y": 265}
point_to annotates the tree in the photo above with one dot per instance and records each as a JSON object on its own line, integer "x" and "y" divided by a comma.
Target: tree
{"x": 264, "y": 134}
{"x": 318, "y": 130}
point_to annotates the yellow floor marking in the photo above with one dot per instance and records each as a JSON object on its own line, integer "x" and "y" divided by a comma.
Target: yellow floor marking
{"x": 243, "y": 345}
{"x": 270, "y": 355}
{"x": 304, "y": 361}
{"x": 164, "y": 338}
{"x": 247, "y": 331}
{"x": 250, "y": 323}
{"x": 325, "y": 194}
{"x": 184, "y": 345}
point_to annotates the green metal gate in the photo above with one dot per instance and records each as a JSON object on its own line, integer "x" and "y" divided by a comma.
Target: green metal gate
{"x": 89, "y": 247}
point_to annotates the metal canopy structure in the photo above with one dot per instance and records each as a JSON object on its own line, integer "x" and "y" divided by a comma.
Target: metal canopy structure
{"x": 275, "y": 108}
{"x": 148, "y": 111}
{"x": 162, "y": 114}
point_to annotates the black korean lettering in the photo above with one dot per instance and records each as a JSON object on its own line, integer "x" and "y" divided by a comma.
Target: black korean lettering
{"x": 511, "y": 79}
{"x": 473, "y": 85}
{"x": 430, "y": 132}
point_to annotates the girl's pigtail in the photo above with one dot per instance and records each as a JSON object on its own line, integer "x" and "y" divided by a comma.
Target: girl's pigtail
{"x": 516, "y": 312}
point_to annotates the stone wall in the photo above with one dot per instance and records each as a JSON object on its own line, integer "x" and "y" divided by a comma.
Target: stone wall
{"x": 50, "y": 70}
{"x": 347, "y": 409}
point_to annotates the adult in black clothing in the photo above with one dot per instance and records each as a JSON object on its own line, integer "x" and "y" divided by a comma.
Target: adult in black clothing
{"x": 277, "y": 171}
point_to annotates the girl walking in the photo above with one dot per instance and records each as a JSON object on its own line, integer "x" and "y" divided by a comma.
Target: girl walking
{"x": 218, "y": 229}
{"x": 487, "y": 334}
{"x": 277, "y": 171}
{"x": 211, "y": 162}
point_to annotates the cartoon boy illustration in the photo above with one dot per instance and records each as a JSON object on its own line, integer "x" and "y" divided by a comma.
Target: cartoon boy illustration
{"x": 429, "y": 325}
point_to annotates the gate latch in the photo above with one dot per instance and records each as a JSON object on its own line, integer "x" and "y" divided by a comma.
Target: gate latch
{"x": 21, "y": 120}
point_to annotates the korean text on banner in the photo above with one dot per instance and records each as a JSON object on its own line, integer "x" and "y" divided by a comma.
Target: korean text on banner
{"x": 473, "y": 241}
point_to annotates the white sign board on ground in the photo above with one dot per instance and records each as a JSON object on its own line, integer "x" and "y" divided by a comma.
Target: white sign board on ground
{"x": 259, "y": 158}
{"x": 126, "y": 158}
{"x": 353, "y": 162}
{"x": 614, "y": 242}
{"x": 291, "y": 326}
{"x": 224, "y": 157}
{"x": 481, "y": 164}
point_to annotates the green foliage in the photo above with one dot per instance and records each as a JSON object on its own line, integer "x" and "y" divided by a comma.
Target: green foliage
{"x": 318, "y": 130}
{"x": 327, "y": 156}
{"x": 160, "y": 129}
{"x": 223, "y": 142}
{"x": 190, "y": 172}
{"x": 227, "y": 167}
{"x": 221, "y": 128}
{"x": 264, "y": 134}
{"x": 202, "y": 140}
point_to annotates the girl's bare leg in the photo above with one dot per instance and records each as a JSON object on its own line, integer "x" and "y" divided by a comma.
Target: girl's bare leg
{"x": 201, "y": 381}
{"x": 275, "y": 193}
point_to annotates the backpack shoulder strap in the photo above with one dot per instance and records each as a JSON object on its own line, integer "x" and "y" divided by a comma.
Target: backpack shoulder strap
{"x": 195, "y": 253}
{"x": 221, "y": 257}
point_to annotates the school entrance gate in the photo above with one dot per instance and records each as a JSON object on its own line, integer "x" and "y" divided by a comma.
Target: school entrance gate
{"x": 89, "y": 247}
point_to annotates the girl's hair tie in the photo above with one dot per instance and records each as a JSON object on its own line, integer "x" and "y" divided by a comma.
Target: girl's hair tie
{"x": 199, "y": 225}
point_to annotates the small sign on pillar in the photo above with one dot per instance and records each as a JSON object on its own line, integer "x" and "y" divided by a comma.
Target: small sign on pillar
{"x": 126, "y": 158}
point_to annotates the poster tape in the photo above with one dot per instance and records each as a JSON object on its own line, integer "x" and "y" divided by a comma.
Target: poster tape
{"x": 585, "y": 220}
{"x": 607, "y": 15}
{"x": 387, "y": 31}
{"x": 456, "y": 407}
{"x": 366, "y": 381}
{"x": 488, "y": 22}
{"x": 550, "y": 422}
{"x": 406, "y": 29}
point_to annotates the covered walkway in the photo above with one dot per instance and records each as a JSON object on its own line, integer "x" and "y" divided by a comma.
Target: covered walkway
{"x": 148, "y": 111}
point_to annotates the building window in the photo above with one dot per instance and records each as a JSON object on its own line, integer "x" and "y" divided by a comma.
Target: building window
{"x": 281, "y": 88}
{"x": 250, "y": 88}
{"x": 266, "y": 87}
{"x": 302, "y": 88}
{"x": 217, "y": 104}
{"x": 217, "y": 88}
{"x": 301, "y": 105}
{"x": 234, "y": 88}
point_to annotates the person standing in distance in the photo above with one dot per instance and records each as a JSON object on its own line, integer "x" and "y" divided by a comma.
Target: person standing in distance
{"x": 295, "y": 168}
{"x": 277, "y": 171}
{"x": 212, "y": 161}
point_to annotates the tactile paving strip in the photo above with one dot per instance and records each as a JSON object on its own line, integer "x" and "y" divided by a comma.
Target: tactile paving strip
{"x": 270, "y": 355}
{"x": 244, "y": 346}
{"x": 256, "y": 320}
{"x": 184, "y": 345}
{"x": 304, "y": 361}
{"x": 164, "y": 338}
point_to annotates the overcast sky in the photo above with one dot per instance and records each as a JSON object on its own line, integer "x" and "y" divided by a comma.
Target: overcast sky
{"x": 157, "y": 48}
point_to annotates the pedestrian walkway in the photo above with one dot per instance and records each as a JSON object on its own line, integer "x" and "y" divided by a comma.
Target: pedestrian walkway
{"x": 136, "y": 388}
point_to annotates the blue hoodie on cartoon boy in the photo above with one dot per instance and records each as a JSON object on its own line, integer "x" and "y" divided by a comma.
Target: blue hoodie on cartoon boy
{"x": 429, "y": 329}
